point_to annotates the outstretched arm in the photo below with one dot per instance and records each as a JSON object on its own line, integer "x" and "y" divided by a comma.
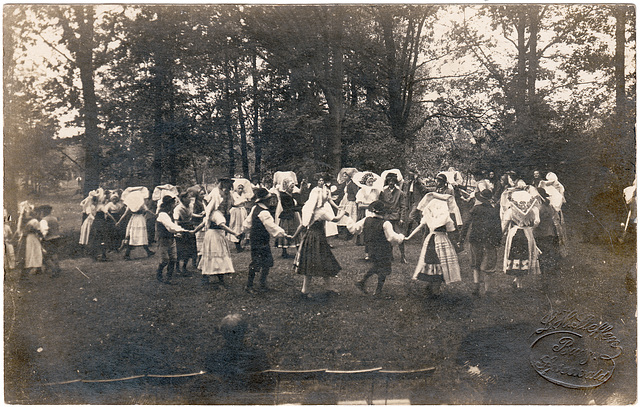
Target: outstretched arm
{"x": 300, "y": 227}
{"x": 200, "y": 226}
{"x": 415, "y": 231}
{"x": 124, "y": 215}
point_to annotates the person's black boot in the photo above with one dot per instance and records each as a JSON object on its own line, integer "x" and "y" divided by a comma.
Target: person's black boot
{"x": 170, "y": 268}
{"x": 159, "y": 271}
{"x": 378, "y": 291}
{"x": 263, "y": 279}
{"x": 250, "y": 278}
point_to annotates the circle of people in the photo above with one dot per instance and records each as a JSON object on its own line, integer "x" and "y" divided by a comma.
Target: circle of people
{"x": 381, "y": 211}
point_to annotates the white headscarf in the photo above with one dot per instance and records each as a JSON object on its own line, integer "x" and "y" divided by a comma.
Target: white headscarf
{"x": 317, "y": 206}
{"x": 215, "y": 199}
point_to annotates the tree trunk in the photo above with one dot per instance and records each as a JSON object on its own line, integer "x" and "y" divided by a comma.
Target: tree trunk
{"x": 9, "y": 165}
{"x": 90, "y": 108}
{"x": 228, "y": 120}
{"x": 172, "y": 142}
{"x": 335, "y": 97}
{"x": 394, "y": 81}
{"x": 257, "y": 142}
{"x": 521, "y": 76}
{"x": 619, "y": 61}
{"x": 243, "y": 130}
{"x": 412, "y": 65}
{"x": 157, "y": 143}
{"x": 243, "y": 141}
{"x": 336, "y": 109}
{"x": 533, "y": 55}
{"x": 401, "y": 62}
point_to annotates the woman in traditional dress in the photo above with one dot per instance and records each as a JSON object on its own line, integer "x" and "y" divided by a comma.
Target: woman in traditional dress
{"x": 438, "y": 262}
{"x": 237, "y": 215}
{"x": 89, "y": 207}
{"x": 33, "y": 247}
{"x": 197, "y": 213}
{"x": 115, "y": 208}
{"x": 537, "y": 179}
{"x": 348, "y": 198}
{"x": 520, "y": 214}
{"x": 9, "y": 249}
{"x": 555, "y": 190}
{"x": 365, "y": 197}
{"x": 101, "y": 236}
{"x": 225, "y": 185}
{"x": 314, "y": 258}
{"x": 546, "y": 234}
{"x": 185, "y": 242}
{"x": 136, "y": 235}
{"x": 24, "y": 210}
{"x": 287, "y": 217}
{"x": 216, "y": 258}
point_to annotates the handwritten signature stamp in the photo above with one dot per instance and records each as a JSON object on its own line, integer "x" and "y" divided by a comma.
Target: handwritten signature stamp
{"x": 574, "y": 349}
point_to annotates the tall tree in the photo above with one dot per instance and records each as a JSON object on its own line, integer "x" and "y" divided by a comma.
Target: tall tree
{"x": 401, "y": 32}
{"x": 620, "y": 14}
{"x": 309, "y": 42}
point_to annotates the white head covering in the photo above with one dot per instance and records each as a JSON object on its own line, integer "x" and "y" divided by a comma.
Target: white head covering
{"x": 134, "y": 197}
{"x": 629, "y": 193}
{"x": 554, "y": 189}
{"x": 449, "y": 201}
{"x": 246, "y": 185}
{"x": 436, "y": 214}
{"x": 280, "y": 176}
{"x": 453, "y": 177}
{"x": 161, "y": 191}
{"x": 215, "y": 199}
{"x": 379, "y": 184}
{"x": 317, "y": 206}
{"x": 359, "y": 178}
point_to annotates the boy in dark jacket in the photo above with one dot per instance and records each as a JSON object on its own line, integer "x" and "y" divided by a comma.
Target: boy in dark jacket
{"x": 378, "y": 236}
{"x": 484, "y": 238}
{"x": 262, "y": 226}
{"x": 166, "y": 230}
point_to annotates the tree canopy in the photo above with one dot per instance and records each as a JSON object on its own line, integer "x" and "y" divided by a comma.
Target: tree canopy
{"x": 177, "y": 93}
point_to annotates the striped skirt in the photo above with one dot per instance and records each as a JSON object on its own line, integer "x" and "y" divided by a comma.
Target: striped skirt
{"x": 216, "y": 258}
{"x": 137, "y": 230}
{"x": 290, "y": 226}
{"x": 438, "y": 257}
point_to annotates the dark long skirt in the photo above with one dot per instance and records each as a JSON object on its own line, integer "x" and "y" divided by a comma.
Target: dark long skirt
{"x": 99, "y": 235}
{"x": 111, "y": 235}
{"x": 519, "y": 251}
{"x": 186, "y": 244}
{"x": 314, "y": 258}
{"x": 121, "y": 229}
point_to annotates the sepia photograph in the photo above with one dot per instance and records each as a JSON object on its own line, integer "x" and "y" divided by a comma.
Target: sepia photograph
{"x": 320, "y": 204}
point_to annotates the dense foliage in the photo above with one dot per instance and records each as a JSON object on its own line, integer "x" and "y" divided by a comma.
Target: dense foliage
{"x": 184, "y": 93}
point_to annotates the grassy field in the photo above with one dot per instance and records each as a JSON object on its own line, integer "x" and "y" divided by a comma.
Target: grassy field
{"x": 113, "y": 320}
